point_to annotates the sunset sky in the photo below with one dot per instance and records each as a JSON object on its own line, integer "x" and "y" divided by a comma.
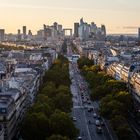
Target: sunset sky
{"x": 119, "y": 16}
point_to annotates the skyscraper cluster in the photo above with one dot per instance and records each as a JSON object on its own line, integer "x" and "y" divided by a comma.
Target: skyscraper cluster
{"x": 24, "y": 35}
{"x": 85, "y": 31}
{"x": 50, "y": 32}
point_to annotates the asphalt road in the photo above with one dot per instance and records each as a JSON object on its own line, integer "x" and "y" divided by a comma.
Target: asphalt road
{"x": 81, "y": 105}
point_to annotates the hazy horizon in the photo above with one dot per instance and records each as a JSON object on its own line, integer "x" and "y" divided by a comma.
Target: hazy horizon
{"x": 119, "y": 16}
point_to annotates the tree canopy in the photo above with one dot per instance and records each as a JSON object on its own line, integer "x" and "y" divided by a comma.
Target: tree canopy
{"x": 49, "y": 117}
{"x": 57, "y": 137}
{"x": 114, "y": 99}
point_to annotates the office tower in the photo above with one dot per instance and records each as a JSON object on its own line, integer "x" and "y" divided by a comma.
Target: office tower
{"x": 19, "y": 32}
{"x": 81, "y": 21}
{"x": 83, "y": 30}
{"x": 103, "y": 29}
{"x": 55, "y": 25}
{"x": 29, "y": 36}
{"x": 40, "y": 35}
{"x": 30, "y": 32}
{"x": 93, "y": 28}
{"x": 24, "y": 30}
{"x": 76, "y": 26}
{"x": 2, "y": 34}
{"x": 59, "y": 28}
{"x": 19, "y": 35}
{"x": 44, "y": 36}
{"x": 139, "y": 34}
{"x": 44, "y": 26}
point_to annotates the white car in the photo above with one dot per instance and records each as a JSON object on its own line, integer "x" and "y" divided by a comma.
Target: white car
{"x": 97, "y": 122}
{"x": 99, "y": 129}
{"x": 79, "y": 138}
{"x": 94, "y": 115}
{"x": 74, "y": 119}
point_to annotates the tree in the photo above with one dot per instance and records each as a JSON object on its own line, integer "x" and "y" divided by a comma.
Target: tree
{"x": 125, "y": 98}
{"x": 62, "y": 124}
{"x": 35, "y": 126}
{"x": 83, "y": 61}
{"x": 58, "y": 75}
{"x": 115, "y": 86}
{"x": 110, "y": 107}
{"x": 43, "y": 107}
{"x": 49, "y": 89}
{"x": 64, "y": 89}
{"x": 99, "y": 92}
{"x": 57, "y": 137}
{"x": 63, "y": 102}
{"x": 42, "y": 121}
{"x": 94, "y": 68}
{"x": 41, "y": 98}
{"x": 117, "y": 121}
{"x": 124, "y": 132}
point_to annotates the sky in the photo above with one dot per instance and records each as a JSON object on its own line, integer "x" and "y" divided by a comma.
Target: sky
{"x": 119, "y": 16}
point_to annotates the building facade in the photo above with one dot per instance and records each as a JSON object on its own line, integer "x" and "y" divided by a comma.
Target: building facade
{"x": 2, "y": 34}
{"x": 76, "y": 26}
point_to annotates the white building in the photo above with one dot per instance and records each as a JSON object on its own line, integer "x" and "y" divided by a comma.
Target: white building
{"x": 84, "y": 30}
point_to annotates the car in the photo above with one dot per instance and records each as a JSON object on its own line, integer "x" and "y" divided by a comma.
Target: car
{"x": 83, "y": 101}
{"x": 92, "y": 108}
{"x": 74, "y": 119}
{"x": 85, "y": 106}
{"x": 99, "y": 129}
{"x": 99, "y": 117}
{"x": 89, "y": 102}
{"x": 89, "y": 110}
{"x": 102, "y": 122}
{"x": 79, "y": 138}
{"x": 97, "y": 122}
{"x": 94, "y": 115}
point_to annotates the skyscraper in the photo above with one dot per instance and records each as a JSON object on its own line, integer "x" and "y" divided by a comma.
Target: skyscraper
{"x": 139, "y": 34}
{"x": 76, "y": 26}
{"x": 55, "y": 25}
{"x": 24, "y": 30}
{"x": 83, "y": 30}
{"x": 44, "y": 36}
{"x": 19, "y": 35}
{"x": 60, "y": 28}
{"x": 19, "y": 32}
{"x": 103, "y": 30}
{"x": 2, "y": 34}
{"x": 44, "y": 27}
{"x": 30, "y": 32}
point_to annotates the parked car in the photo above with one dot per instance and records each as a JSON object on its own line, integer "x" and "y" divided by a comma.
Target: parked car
{"x": 94, "y": 115}
{"x": 99, "y": 117}
{"x": 97, "y": 122}
{"x": 79, "y": 138}
{"x": 74, "y": 119}
{"x": 99, "y": 129}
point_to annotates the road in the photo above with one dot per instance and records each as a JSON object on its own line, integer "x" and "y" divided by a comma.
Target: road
{"x": 85, "y": 118}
